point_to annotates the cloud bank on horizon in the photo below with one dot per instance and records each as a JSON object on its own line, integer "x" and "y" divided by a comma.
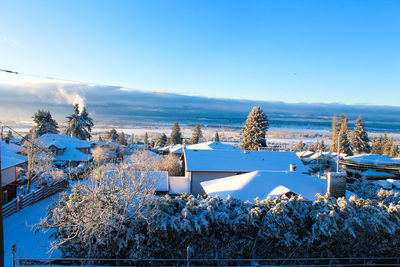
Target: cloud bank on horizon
{"x": 111, "y": 103}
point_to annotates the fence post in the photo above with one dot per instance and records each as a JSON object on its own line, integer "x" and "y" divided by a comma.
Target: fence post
{"x": 13, "y": 250}
{"x": 188, "y": 256}
{"x": 18, "y": 203}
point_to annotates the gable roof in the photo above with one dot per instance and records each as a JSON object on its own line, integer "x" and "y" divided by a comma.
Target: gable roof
{"x": 263, "y": 184}
{"x": 240, "y": 160}
{"x": 70, "y": 144}
{"x": 9, "y": 158}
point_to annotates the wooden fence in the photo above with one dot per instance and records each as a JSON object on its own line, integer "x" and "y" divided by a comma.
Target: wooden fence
{"x": 22, "y": 202}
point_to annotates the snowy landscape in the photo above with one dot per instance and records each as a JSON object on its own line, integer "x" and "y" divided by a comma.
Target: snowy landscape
{"x": 199, "y": 133}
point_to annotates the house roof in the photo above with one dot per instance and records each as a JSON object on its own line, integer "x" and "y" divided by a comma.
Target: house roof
{"x": 263, "y": 184}
{"x": 9, "y": 158}
{"x": 373, "y": 159}
{"x": 212, "y": 145}
{"x": 70, "y": 145}
{"x": 240, "y": 160}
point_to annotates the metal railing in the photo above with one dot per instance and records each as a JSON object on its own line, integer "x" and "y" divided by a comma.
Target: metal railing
{"x": 381, "y": 261}
{"x": 22, "y": 202}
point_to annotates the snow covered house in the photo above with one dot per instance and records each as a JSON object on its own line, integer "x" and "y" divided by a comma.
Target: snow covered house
{"x": 205, "y": 165}
{"x": 67, "y": 150}
{"x": 263, "y": 184}
{"x": 372, "y": 166}
{"x": 9, "y": 163}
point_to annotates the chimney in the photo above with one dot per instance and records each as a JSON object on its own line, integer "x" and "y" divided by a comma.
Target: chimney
{"x": 336, "y": 184}
{"x": 292, "y": 167}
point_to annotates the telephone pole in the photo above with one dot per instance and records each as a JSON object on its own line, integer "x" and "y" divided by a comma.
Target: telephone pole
{"x": 1, "y": 213}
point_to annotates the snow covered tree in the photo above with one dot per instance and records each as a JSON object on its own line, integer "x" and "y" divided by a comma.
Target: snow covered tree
{"x": 176, "y": 135}
{"x": 9, "y": 135}
{"x": 146, "y": 140}
{"x": 112, "y": 135}
{"x": 254, "y": 130}
{"x": 300, "y": 146}
{"x": 345, "y": 145}
{"x": 359, "y": 138}
{"x": 40, "y": 162}
{"x": 121, "y": 139}
{"x": 79, "y": 124}
{"x": 216, "y": 137}
{"x": 334, "y": 135}
{"x": 194, "y": 139}
{"x": 379, "y": 145}
{"x": 161, "y": 141}
{"x": 104, "y": 217}
{"x": 44, "y": 123}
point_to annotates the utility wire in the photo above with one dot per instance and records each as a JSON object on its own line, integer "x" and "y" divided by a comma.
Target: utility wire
{"x": 62, "y": 79}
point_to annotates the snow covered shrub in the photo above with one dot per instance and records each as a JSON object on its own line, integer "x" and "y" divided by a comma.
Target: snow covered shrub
{"x": 102, "y": 154}
{"x": 104, "y": 217}
{"x": 100, "y": 223}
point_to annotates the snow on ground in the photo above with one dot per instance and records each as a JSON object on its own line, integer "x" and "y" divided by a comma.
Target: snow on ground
{"x": 17, "y": 230}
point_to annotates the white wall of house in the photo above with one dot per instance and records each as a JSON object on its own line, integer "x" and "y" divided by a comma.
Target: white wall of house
{"x": 198, "y": 177}
{"x": 8, "y": 175}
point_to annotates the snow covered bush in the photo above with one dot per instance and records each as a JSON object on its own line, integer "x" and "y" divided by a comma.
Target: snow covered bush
{"x": 103, "y": 220}
{"x": 103, "y": 217}
{"x": 169, "y": 163}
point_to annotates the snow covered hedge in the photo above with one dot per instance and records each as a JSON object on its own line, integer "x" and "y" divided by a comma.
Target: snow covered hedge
{"x": 96, "y": 225}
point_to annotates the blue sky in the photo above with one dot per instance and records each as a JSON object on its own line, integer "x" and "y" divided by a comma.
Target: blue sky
{"x": 293, "y": 51}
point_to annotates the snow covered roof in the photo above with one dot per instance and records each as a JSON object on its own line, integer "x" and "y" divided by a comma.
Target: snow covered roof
{"x": 240, "y": 161}
{"x": 63, "y": 141}
{"x": 9, "y": 158}
{"x": 212, "y": 145}
{"x": 13, "y": 147}
{"x": 305, "y": 154}
{"x": 263, "y": 184}
{"x": 70, "y": 145}
{"x": 374, "y": 173}
{"x": 373, "y": 159}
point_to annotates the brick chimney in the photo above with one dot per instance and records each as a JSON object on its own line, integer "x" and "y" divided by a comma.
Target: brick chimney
{"x": 336, "y": 184}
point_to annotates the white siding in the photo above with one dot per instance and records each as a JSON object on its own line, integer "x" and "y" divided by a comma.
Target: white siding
{"x": 8, "y": 176}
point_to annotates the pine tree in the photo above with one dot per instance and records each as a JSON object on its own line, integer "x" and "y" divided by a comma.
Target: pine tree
{"x": 254, "y": 130}
{"x": 379, "y": 145}
{"x": 194, "y": 139}
{"x": 322, "y": 146}
{"x": 161, "y": 141}
{"x": 216, "y": 137}
{"x": 121, "y": 139}
{"x": 345, "y": 146}
{"x": 112, "y": 135}
{"x": 79, "y": 124}
{"x": 9, "y": 135}
{"x": 359, "y": 138}
{"x": 176, "y": 135}
{"x": 335, "y": 132}
{"x": 87, "y": 121}
{"x": 146, "y": 140}
{"x": 316, "y": 146}
{"x": 44, "y": 123}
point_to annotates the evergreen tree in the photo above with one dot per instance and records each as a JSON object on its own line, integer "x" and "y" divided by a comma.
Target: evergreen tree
{"x": 322, "y": 146}
{"x": 121, "y": 139}
{"x": 146, "y": 140}
{"x": 359, "y": 138}
{"x": 79, "y": 124}
{"x": 176, "y": 135}
{"x": 197, "y": 134}
{"x": 316, "y": 146}
{"x": 345, "y": 146}
{"x": 9, "y": 135}
{"x": 87, "y": 121}
{"x": 44, "y": 123}
{"x": 254, "y": 130}
{"x": 334, "y": 135}
{"x": 299, "y": 146}
{"x": 379, "y": 145}
{"x": 216, "y": 137}
{"x": 112, "y": 135}
{"x": 161, "y": 141}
